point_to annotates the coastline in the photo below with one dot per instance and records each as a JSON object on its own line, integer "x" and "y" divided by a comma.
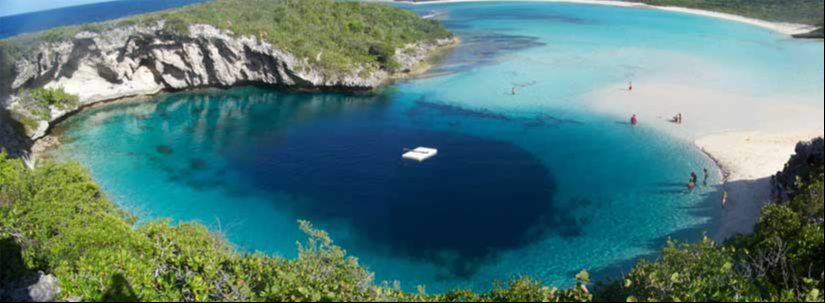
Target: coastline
{"x": 788, "y": 29}
{"x": 748, "y": 160}
{"x": 748, "y": 143}
{"x": 42, "y": 146}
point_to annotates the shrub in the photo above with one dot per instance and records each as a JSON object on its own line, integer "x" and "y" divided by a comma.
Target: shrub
{"x": 56, "y": 220}
{"x": 342, "y": 31}
{"x": 56, "y": 97}
{"x": 65, "y": 226}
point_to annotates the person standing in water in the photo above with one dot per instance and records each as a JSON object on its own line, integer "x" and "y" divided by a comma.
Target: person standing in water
{"x": 724, "y": 200}
{"x": 694, "y": 178}
{"x": 634, "y": 120}
{"x": 691, "y": 185}
{"x": 706, "y": 177}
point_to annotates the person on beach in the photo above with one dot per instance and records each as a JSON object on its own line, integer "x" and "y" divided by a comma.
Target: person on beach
{"x": 630, "y": 87}
{"x": 677, "y": 119}
{"x": 707, "y": 176}
{"x": 694, "y": 178}
{"x": 724, "y": 199}
{"x": 634, "y": 120}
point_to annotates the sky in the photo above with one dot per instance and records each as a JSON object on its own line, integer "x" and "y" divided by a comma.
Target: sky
{"x": 16, "y": 7}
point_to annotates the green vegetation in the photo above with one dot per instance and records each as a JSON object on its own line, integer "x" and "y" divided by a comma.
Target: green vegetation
{"x": 56, "y": 220}
{"x": 34, "y": 106}
{"x": 791, "y": 11}
{"x": 57, "y": 97}
{"x": 342, "y": 35}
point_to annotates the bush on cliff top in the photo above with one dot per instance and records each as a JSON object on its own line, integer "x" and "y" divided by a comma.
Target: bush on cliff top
{"x": 335, "y": 36}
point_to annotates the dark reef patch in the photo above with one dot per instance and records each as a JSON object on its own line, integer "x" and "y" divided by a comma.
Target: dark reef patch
{"x": 480, "y": 49}
{"x": 424, "y": 108}
{"x": 165, "y": 149}
{"x": 197, "y": 164}
{"x": 424, "y": 105}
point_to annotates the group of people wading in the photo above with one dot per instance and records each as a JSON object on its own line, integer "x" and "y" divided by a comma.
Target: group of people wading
{"x": 694, "y": 178}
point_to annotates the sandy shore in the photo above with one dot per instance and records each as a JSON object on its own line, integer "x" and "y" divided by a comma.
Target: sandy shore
{"x": 748, "y": 161}
{"x": 783, "y": 28}
{"x": 749, "y": 137}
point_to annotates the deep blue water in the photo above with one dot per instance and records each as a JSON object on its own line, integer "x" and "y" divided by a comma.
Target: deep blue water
{"x": 536, "y": 184}
{"x": 98, "y": 12}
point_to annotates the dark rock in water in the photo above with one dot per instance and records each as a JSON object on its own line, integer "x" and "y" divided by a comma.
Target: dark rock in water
{"x": 197, "y": 164}
{"x": 165, "y": 150}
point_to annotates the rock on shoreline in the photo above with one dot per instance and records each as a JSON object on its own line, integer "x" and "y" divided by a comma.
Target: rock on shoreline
{"x": 144, "y": 60}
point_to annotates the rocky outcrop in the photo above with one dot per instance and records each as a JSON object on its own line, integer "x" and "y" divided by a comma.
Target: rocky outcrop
{"x": 817, "y": 34}
{"x": 143, "y": 60}
{"x": 37, "y": 288}
{"x": 809, "y": 155}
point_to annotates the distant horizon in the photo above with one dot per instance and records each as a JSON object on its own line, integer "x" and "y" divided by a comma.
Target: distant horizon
{"x": 9, "y": 8}
{"x": 97, "y": 11}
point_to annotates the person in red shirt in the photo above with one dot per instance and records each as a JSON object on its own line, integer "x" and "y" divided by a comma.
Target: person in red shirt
{"x": 634, "y": 120}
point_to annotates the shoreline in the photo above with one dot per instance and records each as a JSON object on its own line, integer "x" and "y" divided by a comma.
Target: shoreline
{"x": 747, "y": 143}
{"x": 41, "y": 146}
{"x": 788, "y": 29}
{"x": 748, "y": 160}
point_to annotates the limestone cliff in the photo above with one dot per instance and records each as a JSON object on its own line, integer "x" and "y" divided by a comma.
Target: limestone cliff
{"x": 145, "y": 60}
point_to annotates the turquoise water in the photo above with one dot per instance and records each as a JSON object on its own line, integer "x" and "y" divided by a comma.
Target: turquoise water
{"x": 533, "y": 184}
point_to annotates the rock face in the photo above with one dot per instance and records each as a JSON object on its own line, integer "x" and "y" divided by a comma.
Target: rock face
{"x": 142, "y": 60}
{"x": 808, "y": 156}
{"x": 38, "y": 288}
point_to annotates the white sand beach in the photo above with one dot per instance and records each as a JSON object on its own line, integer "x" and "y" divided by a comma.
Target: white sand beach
{"x": 748, "y": 161}
{"x": 783, "y": 28}
{"x": 750, "y": 138}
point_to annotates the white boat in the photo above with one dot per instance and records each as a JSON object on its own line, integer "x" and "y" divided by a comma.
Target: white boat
{"x": 421, "y": 154}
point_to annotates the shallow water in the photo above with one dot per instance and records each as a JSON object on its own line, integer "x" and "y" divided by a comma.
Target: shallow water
{"x": 533, "y": 184}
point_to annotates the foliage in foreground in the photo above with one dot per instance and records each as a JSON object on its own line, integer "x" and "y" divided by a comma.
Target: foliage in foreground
{"x": 781, "y": 261}
{"x": 55, "y": 219}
